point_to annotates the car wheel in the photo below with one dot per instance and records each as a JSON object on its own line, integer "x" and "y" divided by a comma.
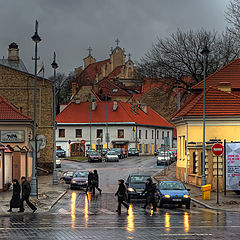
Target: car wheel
{"x": 160, "y": 204}
{"x": 188, "y": 206}
{"x": 72, "y": 187}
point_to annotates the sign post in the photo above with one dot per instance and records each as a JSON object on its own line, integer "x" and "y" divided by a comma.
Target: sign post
{"x": 217, "y": 149}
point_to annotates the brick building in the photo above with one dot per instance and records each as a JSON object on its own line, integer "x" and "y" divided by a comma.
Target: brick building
{"x": 17, "y": 86}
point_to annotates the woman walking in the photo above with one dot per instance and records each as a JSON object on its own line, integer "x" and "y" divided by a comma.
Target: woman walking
{"x": 95, "y": 183}
{"x": 121, "y": 193}
{"x": 15, "y": 201}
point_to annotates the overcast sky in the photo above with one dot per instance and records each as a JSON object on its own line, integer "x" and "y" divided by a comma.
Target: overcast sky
{"x": 69, "y": 27}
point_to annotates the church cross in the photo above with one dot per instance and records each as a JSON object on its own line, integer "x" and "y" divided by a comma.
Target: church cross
{"x": 117, "y": 41}
{"x": 89, "y": 50}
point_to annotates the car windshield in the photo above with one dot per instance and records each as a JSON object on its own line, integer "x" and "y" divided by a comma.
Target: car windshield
{"x": 132, "y": 149}
{"x": 139, "y": 179}
{"x": 163, "y": 154}
{"x": 81, "y": 174}
{"x": 93, "y": 153}
{"x": 171, "y": 186}
{"x": 112, "y": 153}
{"x": 69, "y": 174}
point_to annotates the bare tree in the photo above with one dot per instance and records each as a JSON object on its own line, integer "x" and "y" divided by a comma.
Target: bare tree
{"x": 180, "y": 54}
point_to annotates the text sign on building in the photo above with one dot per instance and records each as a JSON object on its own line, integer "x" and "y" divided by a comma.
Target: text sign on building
{"x": 232, "y": 166}
{"x": 11, "y": 136}
{"x": 217, "y": 149}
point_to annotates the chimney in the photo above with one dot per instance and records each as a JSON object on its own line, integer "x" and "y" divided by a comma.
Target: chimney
{"x": 74, "y": 88}
{"x": 94, "y": 106}
{"x": 143, "y": 107}
{"x": 115, "y": 105}
{"x": 225, "y": 86}
{"x": 13, "y": 52}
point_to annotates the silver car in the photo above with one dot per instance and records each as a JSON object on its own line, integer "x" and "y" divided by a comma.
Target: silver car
{"x": 111, "y": 156}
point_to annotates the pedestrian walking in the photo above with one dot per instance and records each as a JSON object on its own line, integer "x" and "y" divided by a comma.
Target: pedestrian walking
{"x": 121, "y": 194}
{"x": 90, "y": 178}
{"x": 26, "y": 190}
{"x": 95, "y": 183}
{"x": 15, "y": 200}
{"x": 149, "y": 192}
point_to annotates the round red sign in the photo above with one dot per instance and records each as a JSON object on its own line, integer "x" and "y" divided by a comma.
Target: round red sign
{"x": 217, "y": 149}
{"x": 83, "y": 142}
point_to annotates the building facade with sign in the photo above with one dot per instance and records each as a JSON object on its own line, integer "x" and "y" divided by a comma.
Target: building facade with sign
{"x": 15, "y": 133}
{"x": 128, "y": 126}
{"x": 222, "y": 123}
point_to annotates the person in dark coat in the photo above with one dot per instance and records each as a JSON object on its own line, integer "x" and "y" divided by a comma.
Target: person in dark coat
{"x": 26, "y": 190}
{"x": 121, "y": 194}
{"x": 95, "y": 183}
{"x": 149, "y": 192}
{"x": 90, "y": 178}
{"x": 15, "y": 201}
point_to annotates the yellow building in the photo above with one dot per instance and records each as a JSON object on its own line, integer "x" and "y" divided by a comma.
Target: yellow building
{"x": 222, "y": 123}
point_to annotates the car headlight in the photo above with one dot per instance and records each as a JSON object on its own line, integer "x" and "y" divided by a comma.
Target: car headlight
{"x": 73, "y": 181}
{"x": 186, "y": 196}
{"x": 87, "y": 181}
{"x": 167, "y": 196}
{"x": 131, "y": 189}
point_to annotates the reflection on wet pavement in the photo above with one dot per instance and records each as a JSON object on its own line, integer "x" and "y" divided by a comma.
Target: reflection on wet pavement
{"x": 73, "y": 208}
{"x": 130, "y": 219}
{"x": 186, "y": 222}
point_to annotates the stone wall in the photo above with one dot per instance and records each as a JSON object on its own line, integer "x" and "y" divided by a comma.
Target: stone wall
{"x": 18, "y": 88}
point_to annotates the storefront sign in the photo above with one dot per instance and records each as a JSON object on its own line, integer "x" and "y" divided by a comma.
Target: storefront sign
{"x": 10, "y": 136}
{"x": 232, "y": 166}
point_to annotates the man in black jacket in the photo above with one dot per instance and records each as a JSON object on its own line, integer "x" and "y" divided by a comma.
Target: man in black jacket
{"x": 121, "y": 193}
{"x": 26, "y": 190}
{"x": 90, "y": 178}
{"x": 95, "y": 183}
{"x": 149, "y": 192}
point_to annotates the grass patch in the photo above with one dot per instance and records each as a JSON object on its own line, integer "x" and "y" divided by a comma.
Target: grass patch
{"x": 78, "y": 158}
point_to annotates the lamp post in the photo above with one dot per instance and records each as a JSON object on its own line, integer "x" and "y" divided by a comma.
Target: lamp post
{"x": 36, "y": 39}
{"x": 205, "y": 53}
{"x": 107, "y": 135}
{"x": 54, "y": 66}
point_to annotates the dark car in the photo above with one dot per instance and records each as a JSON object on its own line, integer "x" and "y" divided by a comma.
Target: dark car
{"x": 173, "y": 192}
{"x": 119, "y": 152}
{"x": 89, "y": 151}
{"x": 133, "y": 152}
{"x": 104, "y": 151}
{"x": 94, "y": 157}
{"x": 61, "y": 153}
{"x": 135, "y": 185}
{"x": 67, "y": 177}
{"x": 79, "y": 179}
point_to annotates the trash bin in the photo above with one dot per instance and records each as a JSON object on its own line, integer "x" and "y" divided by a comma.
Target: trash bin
{"x": 206, "y": 191}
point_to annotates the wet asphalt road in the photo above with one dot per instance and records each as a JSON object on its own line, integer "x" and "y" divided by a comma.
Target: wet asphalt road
{"x": 81, "y": 216}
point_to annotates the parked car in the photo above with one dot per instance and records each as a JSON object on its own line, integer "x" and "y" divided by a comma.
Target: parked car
{"x": 163, "y": 159}
{"x": 119, "y": 152}
{"x": 111, "y": 156}
{"x": 133, "y": 152}
{"x": 135, "y": 185}
{"x": 67, "y": 177}
{"x": 79, "y": 179}
{"x": 124, "y": 152}
{"x": 157, "y": 152}
{"x": 94, "y": 157}
{"x": 173, "y": 192}
{"x": 61, "y": 153}
{"x": 58, "y": 162}
{"x": 89, "y": 151}
{"x": 104, "y": 151}
{"x": 174, "y": 154}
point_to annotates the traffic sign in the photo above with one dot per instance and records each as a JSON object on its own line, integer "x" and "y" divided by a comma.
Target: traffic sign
{"x": 83, "y": 142}
{"x": 217, "y": 149}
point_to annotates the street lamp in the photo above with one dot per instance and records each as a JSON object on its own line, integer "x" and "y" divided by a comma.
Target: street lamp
{"x": 54, "y": 66}
{"x": 36, "y": 39}
{"x": 205, "y": 53}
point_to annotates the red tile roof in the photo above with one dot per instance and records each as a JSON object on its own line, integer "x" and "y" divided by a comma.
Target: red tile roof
{"x": 80, "y": 113}
{"x": 229, "y": 73}
{"x": 115, "y": 72}
{"x": 9, "y": 112}
{"x": 218, "y": 103}
{"x": 109, "y": 88}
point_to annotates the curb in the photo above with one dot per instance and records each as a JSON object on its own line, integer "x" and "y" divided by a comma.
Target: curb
{"x": 57, "y": 200}
{"x": 72, "y": 160}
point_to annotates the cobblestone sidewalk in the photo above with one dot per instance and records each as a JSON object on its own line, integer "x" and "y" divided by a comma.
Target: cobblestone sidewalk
{"x": 230, "y": 202}
{"x": 48, "y": 195}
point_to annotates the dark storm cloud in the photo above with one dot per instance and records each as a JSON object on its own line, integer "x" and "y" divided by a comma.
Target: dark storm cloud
{"x": 70, "y": 26}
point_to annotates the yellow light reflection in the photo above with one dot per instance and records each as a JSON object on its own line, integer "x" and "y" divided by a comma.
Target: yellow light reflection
{"x": 73, "y": 208}
{"x": 130, "y": 219}
{"x": 186, "y": 222}
{"x": 167, "y": 221}
{"x": 86, "y": 207}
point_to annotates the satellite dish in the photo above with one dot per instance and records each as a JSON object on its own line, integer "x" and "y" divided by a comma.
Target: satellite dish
{"x": 42, "y": 138}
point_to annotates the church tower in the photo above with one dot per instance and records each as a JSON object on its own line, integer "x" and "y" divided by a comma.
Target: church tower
{"x": 117, "y": 57}
{"x": 89, "y": 59}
